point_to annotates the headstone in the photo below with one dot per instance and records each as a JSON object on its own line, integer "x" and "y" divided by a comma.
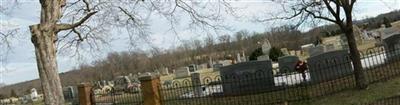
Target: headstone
{"x": 287, "y": 64}
{"x": 192, "y": 68}
{"x": 307, "y": 47}
{"x": 262, "y": 58}
{"x": 218, "y": 65}
{"x": 248, "y": 77}
{"x": 329, "y": 66}
{"x": 298, "y": 53}
{"x": 266, "y": 47}
{"x": 34, "y": 94}
{"x": 71, "y": 94}
{"x": 196, "y": 84}
{"x": 285, "y": 51}
{"x": 202, "y": 66}
{"x": 330, "y": 47}
{"x": 316, "y": 50}
{"x": 238, "y": 58}
{"x": 182, "y": 72}
{"x": 225, "y": 62}
{"x": 165, "y": 71}
{"x": 292, "y": 52}
{"x": 392, "y": 46}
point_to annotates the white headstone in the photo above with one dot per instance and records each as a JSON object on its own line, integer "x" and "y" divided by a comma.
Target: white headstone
{"x": 263, "y": 58}
{"x": 34, "y": 93}
{"x": 165, "y": 71}
{"x": 182, "y": 72}
{"x": 266, "y": 47}
{"x": 285, "y": 51}
{"x": 238, "y": 58}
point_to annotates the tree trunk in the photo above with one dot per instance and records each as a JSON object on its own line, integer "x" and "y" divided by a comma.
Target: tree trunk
{"x": 359, "y": 72}
{"x": 45, "y": 50}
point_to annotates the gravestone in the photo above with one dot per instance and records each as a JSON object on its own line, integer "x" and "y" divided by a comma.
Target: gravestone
{"x": 307, "y": 47}
{"x": 329, "y": 66}
{"x": 330, "y": 47}
{"x": 217, "y": 66}
{"x": 192, "y": 68}
{"x": 262, "y": 58}
{"x": 202, "y": 66}
{"x": 391, "y": 42}
{"x": 285, "y": 51}
{"x": 182, "y": 72}
{"x": 34, "y": 94}
{"x": 165, "y": 71}
{"x": 292, "y": 52}
{"x": 248, "y": 77}
{"x": 225, "y": 62}
{"x": 316, "y": 50}
{"x": 196, "y": 84}
{"x": 71, "y": 94}
{"x": 238, "y": 58}
{"x": 266, "y": 47}
{"x": 287, "y": 64}
{"x": 298, "y": 53}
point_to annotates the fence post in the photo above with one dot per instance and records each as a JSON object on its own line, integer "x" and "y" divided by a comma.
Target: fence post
{"x": 84, "y": 93}
{"x": 150, "y": 90}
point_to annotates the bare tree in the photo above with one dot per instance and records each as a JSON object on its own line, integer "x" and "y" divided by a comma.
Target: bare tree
{"x": 338, "y": 12}
{"x": 70, "y": 25}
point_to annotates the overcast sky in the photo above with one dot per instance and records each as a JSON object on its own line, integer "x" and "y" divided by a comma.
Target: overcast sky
{"x": 21, "y": 64}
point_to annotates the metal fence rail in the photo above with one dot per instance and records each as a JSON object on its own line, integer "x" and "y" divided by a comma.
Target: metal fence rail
{"x": 324, "y": 77}
{"x": 117, "y": 97}
{"x": 254, "y": 83}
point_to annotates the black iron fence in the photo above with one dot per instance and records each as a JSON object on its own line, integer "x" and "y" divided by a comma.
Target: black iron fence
{"x": 114, "y": 96}
{"x": 257, "y": 83}
{"x": 327, "y": 73}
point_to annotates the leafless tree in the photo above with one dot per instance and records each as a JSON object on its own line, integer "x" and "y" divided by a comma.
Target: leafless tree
{"x": 69, "y": 25}
{"x": 339, "y": 12}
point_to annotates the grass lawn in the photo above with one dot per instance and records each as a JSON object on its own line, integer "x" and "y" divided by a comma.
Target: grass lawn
{"x": 357, "y": 97}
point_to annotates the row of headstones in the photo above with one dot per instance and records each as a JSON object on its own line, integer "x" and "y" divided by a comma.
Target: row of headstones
{"x": 319, "y": 71}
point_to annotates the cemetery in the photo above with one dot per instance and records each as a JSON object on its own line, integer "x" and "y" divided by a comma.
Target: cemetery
{"x": 312, "y": 70}
{"x": 327, "y": 65}
{"x": 247, "y": 80}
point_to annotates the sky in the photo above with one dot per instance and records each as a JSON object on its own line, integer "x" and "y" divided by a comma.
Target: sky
{"x": 21, "y": 65}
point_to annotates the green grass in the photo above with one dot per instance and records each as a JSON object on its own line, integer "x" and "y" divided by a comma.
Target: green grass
{"x": 357, "y": 97}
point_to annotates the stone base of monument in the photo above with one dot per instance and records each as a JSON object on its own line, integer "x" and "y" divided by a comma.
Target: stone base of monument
{"x": 247, "y": 78}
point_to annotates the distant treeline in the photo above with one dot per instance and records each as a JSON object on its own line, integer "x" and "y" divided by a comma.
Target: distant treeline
{"x": 193, "y": 52}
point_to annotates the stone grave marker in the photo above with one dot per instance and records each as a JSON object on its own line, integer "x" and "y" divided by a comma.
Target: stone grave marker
{"x": 248, "y": 77}
{"x": 330, "y": 47}
{"x": 329, "y": 66}
{"x": 165, "y": 71}
{"x": 391, "y": 42}
{"x": 287, "y": 64}
{"x": 182, "y": 72}
{"x": 316, "y": 50}
{"x": 192, "y": 68}
{"x": 285, "y": 51}
{"x": 266, "y": 47}
{"x": 196, "y": 84}
{"x": 71, "y": 94}
{"x": 292, "y": 52}
{"x": 262, "y": 58}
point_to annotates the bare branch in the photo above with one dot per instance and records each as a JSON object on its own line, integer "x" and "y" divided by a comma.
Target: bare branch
{"x": 61, "y": 27}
